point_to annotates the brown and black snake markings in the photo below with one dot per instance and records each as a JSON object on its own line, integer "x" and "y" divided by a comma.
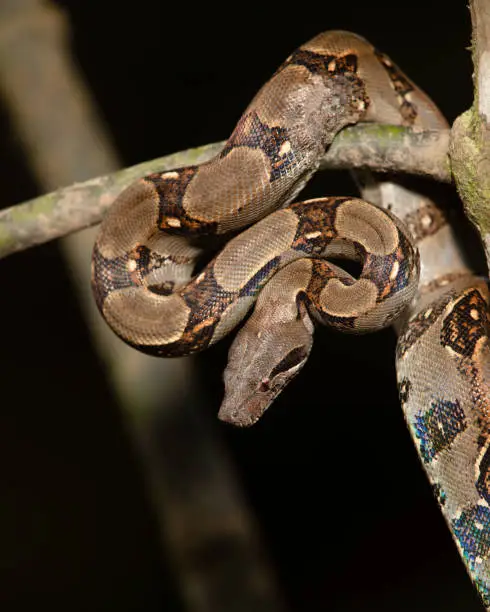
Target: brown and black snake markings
{"x": 403, "y": 88}
{"x": 150, "y": 239}
{"x": 273, "y": 141}
{"x": 466, "y": 325}
{"x": 324, "y": 65}
{"x": 171, "y": 187}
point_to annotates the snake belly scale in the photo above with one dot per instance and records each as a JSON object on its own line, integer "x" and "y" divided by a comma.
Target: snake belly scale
{"x": 151, "y": 238}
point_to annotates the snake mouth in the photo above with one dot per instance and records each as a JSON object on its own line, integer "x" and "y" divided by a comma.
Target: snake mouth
{"x": 246, "y": 412}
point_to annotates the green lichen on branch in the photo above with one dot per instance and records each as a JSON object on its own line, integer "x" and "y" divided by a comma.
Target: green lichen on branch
{"x": 391, "y": 148}
{"x": 81, "y": 205}
{"x": 383, "y": 148}
{"x": 470, "y": 162}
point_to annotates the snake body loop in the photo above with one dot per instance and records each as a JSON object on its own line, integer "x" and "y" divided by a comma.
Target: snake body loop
{"x": 148, "y": 244}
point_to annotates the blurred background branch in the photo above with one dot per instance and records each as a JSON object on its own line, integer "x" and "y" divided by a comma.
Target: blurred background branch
{"x": 205, "y": 525}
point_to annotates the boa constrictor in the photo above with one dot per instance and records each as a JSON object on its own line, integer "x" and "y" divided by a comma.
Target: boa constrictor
{"x": 149, "y": 242}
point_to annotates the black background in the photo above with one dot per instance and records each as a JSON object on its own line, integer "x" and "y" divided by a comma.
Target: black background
{"x": 331, "y": 473}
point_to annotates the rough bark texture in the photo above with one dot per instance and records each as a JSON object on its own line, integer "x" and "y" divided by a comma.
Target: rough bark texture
{"x": 57, "y": 214}
{"x": 470, "y": 136}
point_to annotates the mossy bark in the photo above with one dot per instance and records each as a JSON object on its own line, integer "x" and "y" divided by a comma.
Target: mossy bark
{"x": 470, "y": 135}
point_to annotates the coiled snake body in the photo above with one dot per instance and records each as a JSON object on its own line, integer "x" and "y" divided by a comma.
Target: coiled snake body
{"x": 150, "y": 239}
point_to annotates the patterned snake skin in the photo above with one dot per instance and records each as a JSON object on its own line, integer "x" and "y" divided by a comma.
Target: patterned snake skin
{"x": 156, "y": 230}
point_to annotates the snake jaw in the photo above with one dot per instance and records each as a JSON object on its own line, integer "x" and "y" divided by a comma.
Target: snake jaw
{"x": 248, "y": 412}
{"x": 260, "y": 366}
{"x": 245, "y": 412}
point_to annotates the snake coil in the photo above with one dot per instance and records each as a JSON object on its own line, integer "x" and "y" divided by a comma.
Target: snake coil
{"x": 150, "y": 240}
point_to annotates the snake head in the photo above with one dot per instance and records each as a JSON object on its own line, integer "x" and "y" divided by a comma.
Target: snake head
{"x": 265, "y": 356}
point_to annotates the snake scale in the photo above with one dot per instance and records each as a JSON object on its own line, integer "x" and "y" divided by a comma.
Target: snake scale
{"x": 151, "y": 238}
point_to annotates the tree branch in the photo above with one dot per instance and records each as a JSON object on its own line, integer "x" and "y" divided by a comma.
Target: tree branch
{"x": 470, "y": 134}
{"x": 56, "y": 214}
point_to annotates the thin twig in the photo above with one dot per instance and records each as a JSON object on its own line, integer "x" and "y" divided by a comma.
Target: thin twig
{"x": 382, "y": 148}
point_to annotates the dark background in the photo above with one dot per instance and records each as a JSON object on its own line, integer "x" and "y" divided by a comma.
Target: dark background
{"x": 331, "y": 473}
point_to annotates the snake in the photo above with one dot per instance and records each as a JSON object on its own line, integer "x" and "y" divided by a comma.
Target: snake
{"x": 157, "y": 291}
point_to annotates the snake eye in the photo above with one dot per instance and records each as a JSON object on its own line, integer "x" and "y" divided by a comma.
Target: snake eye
{"x": 293, "y": 359}
{"x": 264, "y": 385}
